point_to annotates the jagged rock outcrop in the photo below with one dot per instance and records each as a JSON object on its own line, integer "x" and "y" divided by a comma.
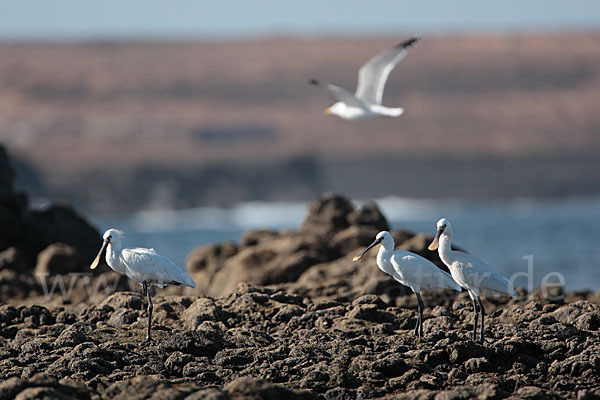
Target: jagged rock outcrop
{"x": 31, "y": 231}
{"x": 317, "y": 255}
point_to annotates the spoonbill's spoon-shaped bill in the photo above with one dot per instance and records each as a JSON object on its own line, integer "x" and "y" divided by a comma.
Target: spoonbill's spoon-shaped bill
{"x": 100, "y": 255}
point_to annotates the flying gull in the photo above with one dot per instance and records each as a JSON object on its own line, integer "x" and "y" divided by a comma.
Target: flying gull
{"x": 366, "y": 102}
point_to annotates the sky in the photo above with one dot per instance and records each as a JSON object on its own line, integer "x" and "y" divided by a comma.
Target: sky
{"x": 126, "y": 19}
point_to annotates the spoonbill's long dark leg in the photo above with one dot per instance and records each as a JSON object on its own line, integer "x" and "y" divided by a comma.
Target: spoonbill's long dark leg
{"x": 146, "y": 289}
{"x": 419, "y": 326}
{"x": 475, "y": 317}
{"x": 482, "y": 318}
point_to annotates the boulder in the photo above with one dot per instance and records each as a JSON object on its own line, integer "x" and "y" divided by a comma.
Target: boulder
{"x": 352, "y": 239}
{"x": 570, "y": 314}
{"x": 247, "y": 387}
{"x": 61, "y": 224}
{"x": 210, "y": 258}
{"x": 13, "y": 206}
{"x": 327, "y": 215}
{"x": 254, "y": 237}
{"x": 204, "y": 262}
{"x": 333, "y": 228}
{"x": 58, "y": 258}
{"x": 282, "y": 259}
{"x": 203, "y": 309}
{"x": 31, "y": 231}
{"x": 12, "y": 258}
{"x": 370, "y": 217}
{"x": 332, "y": 213}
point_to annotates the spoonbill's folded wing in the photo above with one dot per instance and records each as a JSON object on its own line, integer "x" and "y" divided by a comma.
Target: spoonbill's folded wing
{"x": 481, "y": 275}
{"x": 148, "y": 265}
{"x": 417, "y": 269}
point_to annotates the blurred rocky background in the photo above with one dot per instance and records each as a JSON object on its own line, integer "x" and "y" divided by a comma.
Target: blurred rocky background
{"x": 121, "y": 126}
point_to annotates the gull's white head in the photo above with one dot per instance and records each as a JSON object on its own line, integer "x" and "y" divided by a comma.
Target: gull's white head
{"x": 443, "y": 227}
{"x": 383, "y": 238}
{"x": 340, "y": 109}
{"x": 111, "y": 237}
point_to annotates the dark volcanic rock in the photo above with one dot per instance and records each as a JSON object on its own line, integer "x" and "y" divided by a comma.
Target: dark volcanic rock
{"x": 279, "y": 342}
{"x": 61, "y": 224}
{"x": 31, "y": 231}
{"x": 282, "y": 259}
{"x": 332, "y": 229}
{"x": 368, "y": 216}
{"x": 204, "y": 262}
{"x": 351, "y": 239}
{"x": 254, "y": 237}
{"x": 58, "y": 258}
{"x": 13, "y": 206}
{"x": 250, "y": 388}
{"x": 333, "y": 213}
{"x": 327, "y": 215}
{"x": 12, "y": 259}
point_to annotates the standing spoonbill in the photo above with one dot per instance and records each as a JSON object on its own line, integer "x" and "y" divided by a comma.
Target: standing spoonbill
{"x": 145, "y": 266}
{"x": 409, "y": 269}
{"x": 366, "y": 102}
{"x": 469, "y": 272}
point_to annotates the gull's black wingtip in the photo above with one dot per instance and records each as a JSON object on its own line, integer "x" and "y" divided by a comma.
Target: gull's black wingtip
{"x": 410, "y": 42}
{"x": 314, "y": 82}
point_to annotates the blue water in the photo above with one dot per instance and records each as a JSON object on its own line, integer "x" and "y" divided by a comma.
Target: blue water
{"x": 562, "y": 236}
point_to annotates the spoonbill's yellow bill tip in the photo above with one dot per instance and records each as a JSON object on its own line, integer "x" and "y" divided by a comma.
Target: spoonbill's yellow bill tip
{"x": 356, "y": 258}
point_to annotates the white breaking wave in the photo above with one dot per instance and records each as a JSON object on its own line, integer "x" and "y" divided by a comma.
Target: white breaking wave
{"x": 250, "y": 215}
{"x": 276, "y": 215}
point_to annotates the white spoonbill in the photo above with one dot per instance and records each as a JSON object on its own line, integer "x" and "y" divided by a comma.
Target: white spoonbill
{"x": 409, "y": 269}
{"x": 366, "y": 102}
{"x": 469, "y": 272}
{"x": 145, "y": 266}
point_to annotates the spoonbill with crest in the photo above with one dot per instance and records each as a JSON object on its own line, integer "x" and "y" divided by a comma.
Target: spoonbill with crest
{"x": 145, "y": 266}
{"x": 409, "y": 269}
{"x": 470, "y": 273}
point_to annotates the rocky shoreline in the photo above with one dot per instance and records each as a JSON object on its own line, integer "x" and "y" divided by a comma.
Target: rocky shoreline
{"x": 274, "y": 342}
{"x": 283, "y": 315}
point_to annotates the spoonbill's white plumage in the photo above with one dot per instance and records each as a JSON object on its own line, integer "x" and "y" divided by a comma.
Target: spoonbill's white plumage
{"x": 469, "y": 272}
{"x": 366, "y": 101}
{"x": 409, "y": 269}
{"x": 145, "y": 266}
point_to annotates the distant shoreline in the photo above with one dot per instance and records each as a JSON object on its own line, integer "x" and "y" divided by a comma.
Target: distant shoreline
{"x": 300, "y": 179}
